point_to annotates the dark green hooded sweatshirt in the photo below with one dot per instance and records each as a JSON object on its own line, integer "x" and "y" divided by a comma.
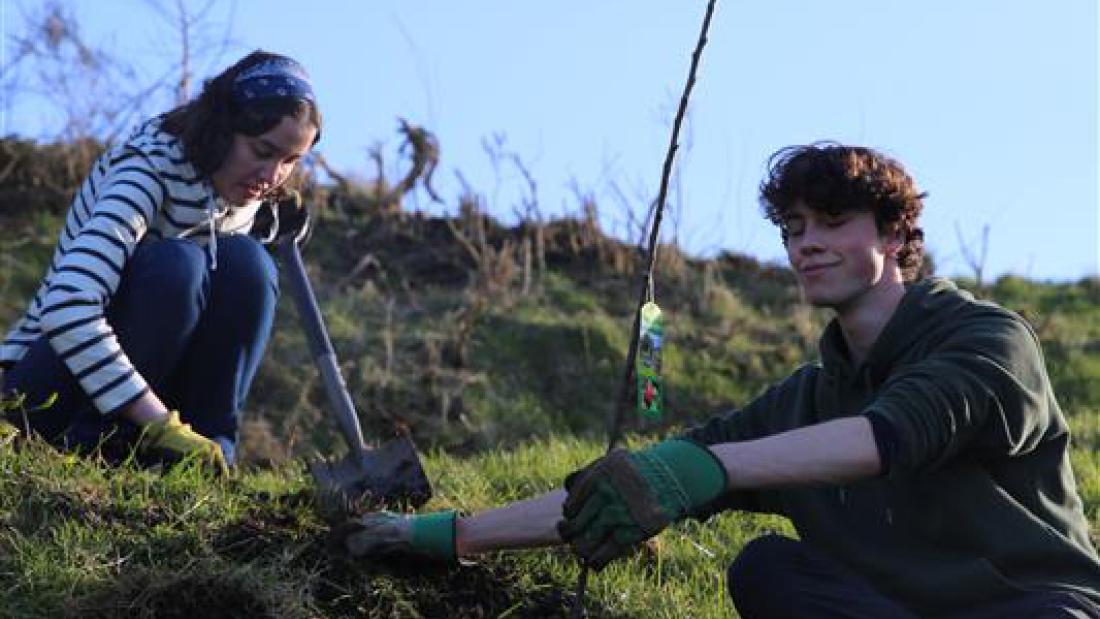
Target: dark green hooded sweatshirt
{"x": 978, "y": 502}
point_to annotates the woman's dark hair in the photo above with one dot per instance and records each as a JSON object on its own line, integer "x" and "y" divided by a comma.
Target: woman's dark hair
{"x": 826, "y": 176}
{"x": 206, "y": 124}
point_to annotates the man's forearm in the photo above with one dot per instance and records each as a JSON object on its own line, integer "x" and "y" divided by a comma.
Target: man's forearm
{"x": 523, "y": 524}
{"x": 833, "y": 452}
{"x": 836, "y": 451}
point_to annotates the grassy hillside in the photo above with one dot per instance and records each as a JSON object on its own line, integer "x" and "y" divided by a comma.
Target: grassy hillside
{"x": 499, "y": 348}
{"x": 84, "y": 540}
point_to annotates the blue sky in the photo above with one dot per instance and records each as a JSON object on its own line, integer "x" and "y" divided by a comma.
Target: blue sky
{"x": 991, "y": 104}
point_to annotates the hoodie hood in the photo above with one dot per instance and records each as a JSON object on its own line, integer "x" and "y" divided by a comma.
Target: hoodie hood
{"x": 927, "y": 305}
{"x": 193, "y": 209}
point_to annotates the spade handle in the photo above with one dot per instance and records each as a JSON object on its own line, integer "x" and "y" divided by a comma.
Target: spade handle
{"x": 320, "y": 346}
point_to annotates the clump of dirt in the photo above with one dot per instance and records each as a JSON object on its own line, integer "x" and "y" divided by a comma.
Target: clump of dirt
{"x": 275, "y": 529}
{"x": 338, "y": 585}
{"x": 252, "y": 538}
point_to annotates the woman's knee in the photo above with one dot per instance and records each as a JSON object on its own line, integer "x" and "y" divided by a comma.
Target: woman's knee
{"x": 246, "y": 266}
{"x": 169, "y": 268}
{"x": 163, "y": 287}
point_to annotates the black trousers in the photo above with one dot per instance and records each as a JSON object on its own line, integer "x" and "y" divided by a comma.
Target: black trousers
{"x": 777, "y": 577}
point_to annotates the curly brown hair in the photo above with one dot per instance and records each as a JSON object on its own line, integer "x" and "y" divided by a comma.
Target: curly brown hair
{"x": 826, "y": 176}
{"x": 207, "y": 123}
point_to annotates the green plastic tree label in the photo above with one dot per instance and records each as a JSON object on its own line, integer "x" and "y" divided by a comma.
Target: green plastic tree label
{"x": 647, "y": 364}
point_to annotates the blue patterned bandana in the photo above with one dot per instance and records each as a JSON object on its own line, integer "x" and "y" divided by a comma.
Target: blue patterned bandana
{"x": 273, "y": 78}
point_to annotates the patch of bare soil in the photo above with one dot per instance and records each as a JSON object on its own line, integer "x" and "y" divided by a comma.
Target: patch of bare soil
{"x": 340, "y": 586}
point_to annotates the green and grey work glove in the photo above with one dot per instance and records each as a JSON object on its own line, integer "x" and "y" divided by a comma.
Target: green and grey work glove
{"x": 387, "y": 534}
{"x": 626, "y": 497}
{"x": 176, "y": 441}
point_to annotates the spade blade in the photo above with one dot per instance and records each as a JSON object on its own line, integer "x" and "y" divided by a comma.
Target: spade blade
{"x": 387, "y": 475}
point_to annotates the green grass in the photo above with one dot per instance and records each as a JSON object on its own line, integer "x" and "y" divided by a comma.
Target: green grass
{"x": 78, "y": 538}
{"x": 1085, "y": 459}
{"x": 81, "y": 539}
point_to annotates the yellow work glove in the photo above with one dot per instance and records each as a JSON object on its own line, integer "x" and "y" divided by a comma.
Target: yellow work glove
{"x": 176, "y": 441}
{"x": 8, "y": 432}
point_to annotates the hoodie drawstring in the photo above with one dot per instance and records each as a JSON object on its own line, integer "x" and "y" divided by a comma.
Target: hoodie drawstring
{"x": 212, "y": 209}
{"x": 212, "y": 246}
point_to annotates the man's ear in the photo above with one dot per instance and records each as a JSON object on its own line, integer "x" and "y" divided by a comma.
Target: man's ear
{"x": 894, "y": 240}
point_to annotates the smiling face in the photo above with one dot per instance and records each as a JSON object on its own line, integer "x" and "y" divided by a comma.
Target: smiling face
{"x": 840, "y": 258}
{"x": 258, "y": 164}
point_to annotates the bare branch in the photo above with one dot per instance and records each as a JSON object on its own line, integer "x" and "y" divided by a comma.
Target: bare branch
{"x": 86, "y": 87}
{"x": 424, "y": 157}
{"x": 976, "y": 260}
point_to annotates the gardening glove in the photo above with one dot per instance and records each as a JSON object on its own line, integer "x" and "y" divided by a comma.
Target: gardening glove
{"x": 8, "y": 432}
{"x": 626, "y": 497}
{"x": 387, "y": 534}
{"x": 177, "y": 441}
{"x": 280, "y": 218}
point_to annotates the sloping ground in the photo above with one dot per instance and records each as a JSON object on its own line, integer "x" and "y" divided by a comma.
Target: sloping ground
{"x": 80, "y": 539}
{"x": 434, "y": 319}
{"x": 474, "y": 336}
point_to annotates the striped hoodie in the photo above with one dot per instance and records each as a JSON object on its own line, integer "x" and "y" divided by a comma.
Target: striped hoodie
{"x": 141, "y": 190}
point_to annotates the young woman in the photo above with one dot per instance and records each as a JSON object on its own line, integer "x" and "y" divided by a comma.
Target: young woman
{"x": 153, "y": 315}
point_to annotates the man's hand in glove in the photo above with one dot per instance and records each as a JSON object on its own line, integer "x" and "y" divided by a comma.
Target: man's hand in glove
{"x": 386, "y": 534}
{"x": 627, "y": 497}
{"x": 174, "y": 440}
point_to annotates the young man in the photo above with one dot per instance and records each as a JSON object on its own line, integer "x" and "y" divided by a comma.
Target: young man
{"x": 923, "y": 461}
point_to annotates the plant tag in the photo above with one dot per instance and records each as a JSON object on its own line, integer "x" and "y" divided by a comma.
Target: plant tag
{"x": 647, "y": 364}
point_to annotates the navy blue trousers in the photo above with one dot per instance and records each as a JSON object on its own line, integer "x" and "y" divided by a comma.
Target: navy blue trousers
{"x": 196, "y": 336}
{"x": 776, "y": 577}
